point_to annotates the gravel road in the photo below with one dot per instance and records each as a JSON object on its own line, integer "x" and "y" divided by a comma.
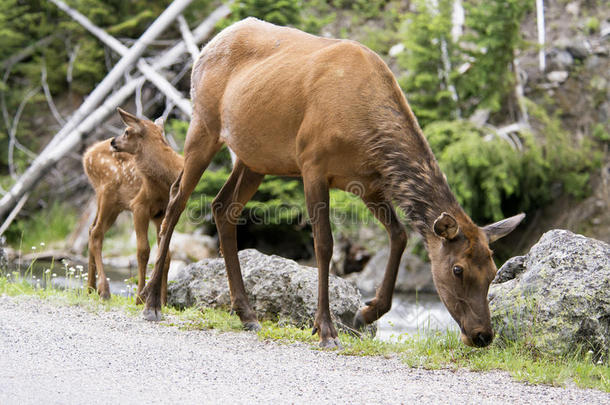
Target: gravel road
{"x": 51, "y": 353}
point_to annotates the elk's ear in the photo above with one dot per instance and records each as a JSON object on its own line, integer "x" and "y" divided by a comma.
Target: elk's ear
{"x": 159, "y": 122}
{"x": 446, "y": 226}
{"x": 502, "y": 228}
{"x": 129, "y": 119}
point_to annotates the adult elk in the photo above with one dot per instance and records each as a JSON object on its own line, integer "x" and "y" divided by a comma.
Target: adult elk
{"x": 328, "y": 110}
{"x": 133, "y": 172}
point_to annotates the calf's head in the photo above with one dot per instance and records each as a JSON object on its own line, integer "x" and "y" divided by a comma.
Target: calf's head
{"x": 463, "y": 268}
{"x": 137, "y": 134}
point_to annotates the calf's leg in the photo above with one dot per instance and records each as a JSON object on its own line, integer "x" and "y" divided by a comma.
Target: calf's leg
{"x": 106, "y": 215}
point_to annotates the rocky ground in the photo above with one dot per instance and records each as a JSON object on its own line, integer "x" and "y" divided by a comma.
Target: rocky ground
{"x": 57, "y": 354}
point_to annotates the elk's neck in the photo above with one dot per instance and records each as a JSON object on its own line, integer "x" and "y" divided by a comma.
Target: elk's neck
{"x": 413, "y": 179}
{"x": 159, "y": 164}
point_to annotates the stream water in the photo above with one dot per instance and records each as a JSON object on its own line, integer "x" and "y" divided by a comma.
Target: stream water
{"x": 411, "y": 313}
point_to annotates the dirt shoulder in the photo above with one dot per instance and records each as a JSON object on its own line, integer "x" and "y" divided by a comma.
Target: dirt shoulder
{"x": 58, "y": 354}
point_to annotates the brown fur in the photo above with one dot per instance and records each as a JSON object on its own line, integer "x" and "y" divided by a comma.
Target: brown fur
{"x": 293, "y": 104}
{"x": 137, "y": 178}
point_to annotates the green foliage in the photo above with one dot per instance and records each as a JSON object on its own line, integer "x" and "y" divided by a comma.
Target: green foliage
{"x": 52, "y": 224}
{"x": 492, "y": 180}
{"x": 282, "y": 12}
{"x": 426, "y": 34}
{"x": 493, "y": 35}
{"x": 592, "y": 25}
{"x": 600, "y": 133}
{"x": 482, "y": 171}
{"x": 446, "y": 79}
{"x": 316, "y": 14}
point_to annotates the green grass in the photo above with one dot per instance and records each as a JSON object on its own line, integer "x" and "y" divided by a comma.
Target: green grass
{"x": 431, "y": 350}
{"x": 50, "y": 225}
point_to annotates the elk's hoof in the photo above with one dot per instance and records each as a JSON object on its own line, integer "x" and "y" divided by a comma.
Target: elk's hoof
{"x": 359, "y": 323}
{"x": 252, "y": 326}
{"x": 105, "y": 295}
{"x": 331, "y": 343}
{"x": 152, "y": 314}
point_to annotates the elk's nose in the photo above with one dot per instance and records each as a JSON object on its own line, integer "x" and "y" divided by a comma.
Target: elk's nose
{"x": 482, "y": 339}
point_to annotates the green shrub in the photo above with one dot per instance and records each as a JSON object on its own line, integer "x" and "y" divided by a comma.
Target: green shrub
{"x": 282, "y": 12}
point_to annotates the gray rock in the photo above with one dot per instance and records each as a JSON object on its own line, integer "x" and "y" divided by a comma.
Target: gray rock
{"x": 413, "y": 274}
{"x": 513, "y": 267}
{"x": 558, "y": 299}
{"x": 559, "y": 59}
{"x": 579, "y": 48}
{"x": 277, "y": 288}
{"x": 557, "y": 76}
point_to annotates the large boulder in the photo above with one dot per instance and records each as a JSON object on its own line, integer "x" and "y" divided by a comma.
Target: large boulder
{"x": 414, "y": 275}
{"x": 277, "y": 288}
{"x": 557, "y": 297}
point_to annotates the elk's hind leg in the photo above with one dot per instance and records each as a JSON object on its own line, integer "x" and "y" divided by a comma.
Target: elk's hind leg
{"x": 227, "y": 206}
{"x": 158, "y": 221}
{"x": 107, "y": 212}
{"x": 317, "y": 199}
{"x": 384, "y": 212}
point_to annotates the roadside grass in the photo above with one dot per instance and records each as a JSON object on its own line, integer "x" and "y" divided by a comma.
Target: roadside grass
{"x": 429, "y": 350}
{"x": 50, "y": 225}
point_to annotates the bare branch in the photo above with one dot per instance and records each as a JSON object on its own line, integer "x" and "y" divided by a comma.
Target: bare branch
{"x": 12, "y": 133}
{"x": 187, "y": 36}
{"x": 113, "y": 129}
{"x": 541, "y": 39}
{"x": 157, "y": 79}
{"x": 139, "y": 100}
{"x": 14, "y": 212}
{"x": 71, "y": 61}
{"x": 47, "y": 93}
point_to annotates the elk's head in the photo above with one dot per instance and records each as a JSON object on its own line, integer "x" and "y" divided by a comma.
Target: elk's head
{"x": 137, "y": 134}
{"x": 462, "y": 269}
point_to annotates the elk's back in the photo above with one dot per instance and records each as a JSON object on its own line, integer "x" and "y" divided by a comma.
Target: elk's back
{"x": 278, "y": 92}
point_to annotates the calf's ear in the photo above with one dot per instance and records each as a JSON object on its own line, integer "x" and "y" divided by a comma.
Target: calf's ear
{"x": 502, "y": 228}
{"x": 130, "y": 120}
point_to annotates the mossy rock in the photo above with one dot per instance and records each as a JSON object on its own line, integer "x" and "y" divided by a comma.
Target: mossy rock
{"x": 557, "y": 297}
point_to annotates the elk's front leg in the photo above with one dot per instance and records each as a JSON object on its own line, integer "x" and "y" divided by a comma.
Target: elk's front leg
{"x": 384, "y": 212}
{"x": 199, "y": 149}
{"x": 168, "y": 259}
{"x": 316, "y": 196}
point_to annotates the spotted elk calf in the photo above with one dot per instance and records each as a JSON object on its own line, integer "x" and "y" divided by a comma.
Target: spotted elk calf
{"x": 131, "y": 172}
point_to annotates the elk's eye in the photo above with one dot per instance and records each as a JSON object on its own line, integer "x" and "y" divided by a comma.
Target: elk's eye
{"x": 458, "y": 270}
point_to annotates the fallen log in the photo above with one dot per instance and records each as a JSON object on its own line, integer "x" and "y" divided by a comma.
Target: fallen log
{"x": 151, "y": 75}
